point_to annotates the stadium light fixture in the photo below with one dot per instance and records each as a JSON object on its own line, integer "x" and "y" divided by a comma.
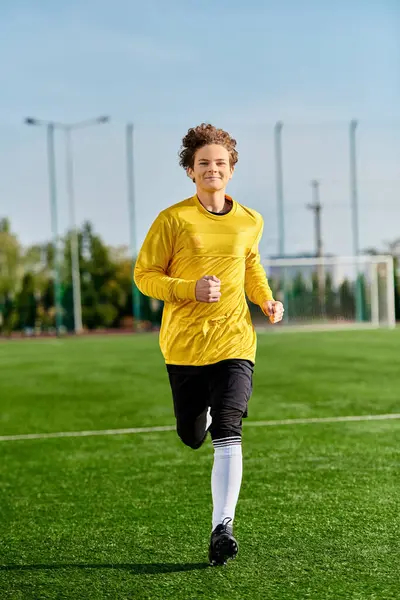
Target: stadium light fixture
{"x": 67, "y": 128}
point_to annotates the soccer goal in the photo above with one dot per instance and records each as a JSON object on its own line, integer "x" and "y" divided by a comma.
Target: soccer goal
{"x": 342, "y": 291}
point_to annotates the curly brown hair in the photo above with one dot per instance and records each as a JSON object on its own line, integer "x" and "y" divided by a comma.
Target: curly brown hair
{"x": 202, "y": 135}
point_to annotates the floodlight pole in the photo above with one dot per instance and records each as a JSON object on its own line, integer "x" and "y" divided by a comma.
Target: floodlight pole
{"x": 354, "y": 214}
{"x": 54, "y": 225}
{"x": 280, "y": 209}
{"x": 279, "y": 189}
{"x": 74, "y": 238}
{"x": 316, "y": 207}
{"x": 136, "y": 308}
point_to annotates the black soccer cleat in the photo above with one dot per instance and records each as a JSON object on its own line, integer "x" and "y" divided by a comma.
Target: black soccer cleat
{"x": 223, "y": 545}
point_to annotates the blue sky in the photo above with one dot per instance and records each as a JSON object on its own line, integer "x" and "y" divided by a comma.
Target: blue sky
{"x": 169, "y": 65}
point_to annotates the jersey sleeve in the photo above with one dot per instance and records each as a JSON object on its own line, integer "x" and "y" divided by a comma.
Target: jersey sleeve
{"x": 256, "y": 282}
{"x": 150, "y": 273}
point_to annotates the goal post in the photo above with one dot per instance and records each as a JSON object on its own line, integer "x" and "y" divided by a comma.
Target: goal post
{"x": 337, "y": 290}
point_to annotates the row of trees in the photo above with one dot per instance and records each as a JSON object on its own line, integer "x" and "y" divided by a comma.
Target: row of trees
{"x": 27, "y": 287}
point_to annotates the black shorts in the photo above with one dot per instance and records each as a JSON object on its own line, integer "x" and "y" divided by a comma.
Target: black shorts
{"x": 225, "y": 387}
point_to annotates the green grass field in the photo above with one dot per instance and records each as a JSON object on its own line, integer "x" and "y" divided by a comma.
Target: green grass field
{"x": 128, "y": 516}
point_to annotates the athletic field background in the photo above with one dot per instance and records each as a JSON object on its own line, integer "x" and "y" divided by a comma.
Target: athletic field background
{"x": 127, "y": 516}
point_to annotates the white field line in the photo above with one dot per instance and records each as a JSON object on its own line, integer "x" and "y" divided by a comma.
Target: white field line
{"x": 63, "y": 434}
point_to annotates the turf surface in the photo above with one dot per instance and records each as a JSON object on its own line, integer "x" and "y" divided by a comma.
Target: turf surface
{"x": 128, "y": 517}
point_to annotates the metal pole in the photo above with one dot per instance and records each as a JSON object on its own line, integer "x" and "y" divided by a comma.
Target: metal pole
{"x": 279, "y": 189}
{"x": 281, "y": 211}
{"x": 54, "y": 223}
{"x": 354, "y": 214}
{"x": 74, "y": 244}
{"x": 317, "y": 208}
{"x": 70, "y": 190}
{"x": 136, "y": 309}
{"x": 354, "y": 188}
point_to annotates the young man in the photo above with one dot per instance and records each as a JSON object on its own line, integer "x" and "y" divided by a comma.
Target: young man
{"x": 201, "y": 258}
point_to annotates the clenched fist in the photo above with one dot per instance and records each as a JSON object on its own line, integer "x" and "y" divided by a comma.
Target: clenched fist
{"x": 274, "y": 310}
{"x": 208, "y": 289}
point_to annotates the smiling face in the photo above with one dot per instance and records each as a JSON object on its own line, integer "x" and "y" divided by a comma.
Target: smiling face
{"x": 211, "y": 169}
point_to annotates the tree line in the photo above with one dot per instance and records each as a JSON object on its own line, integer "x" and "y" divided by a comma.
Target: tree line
{"x": 27, "y": 300}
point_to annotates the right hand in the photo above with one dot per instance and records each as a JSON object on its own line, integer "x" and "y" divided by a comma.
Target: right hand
{"x": 208, "y": 289}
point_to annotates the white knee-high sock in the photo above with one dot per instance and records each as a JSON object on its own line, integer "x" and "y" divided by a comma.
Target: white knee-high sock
{"x": 226, "y": 478}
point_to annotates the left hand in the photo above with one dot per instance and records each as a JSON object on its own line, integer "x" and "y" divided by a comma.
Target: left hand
{"x": 274, "y": 310}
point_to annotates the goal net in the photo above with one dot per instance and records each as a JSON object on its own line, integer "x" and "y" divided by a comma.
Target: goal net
{"x": 341, "y": 291}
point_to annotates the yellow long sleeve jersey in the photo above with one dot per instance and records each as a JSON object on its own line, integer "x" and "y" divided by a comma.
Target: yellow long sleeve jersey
{"x": 185, "y": 243}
